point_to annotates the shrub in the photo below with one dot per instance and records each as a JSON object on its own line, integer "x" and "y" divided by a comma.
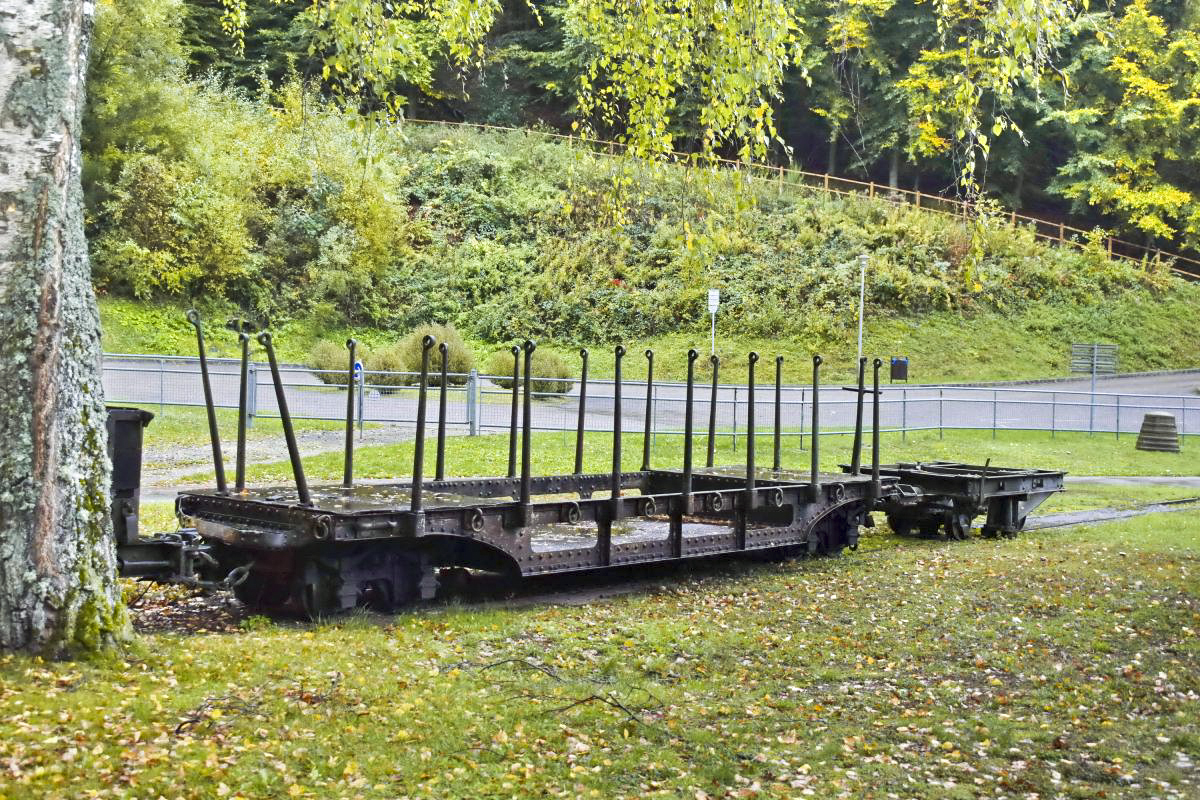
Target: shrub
{"x": 389, "y": 359}
{"x": 332, "y": 359}
{"x": 461, "y": 361}
{"x": 551, "y": 375}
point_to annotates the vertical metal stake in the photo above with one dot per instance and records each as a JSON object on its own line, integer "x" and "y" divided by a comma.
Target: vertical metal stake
{"x": 615, "y": 481}
{"x": 239, "y": 476}
{"x": 649, "y": 409}
{"x": 351, "y": 379}
{"x": 712, "y": 411}
{"x": 748, "y": 503}
{"x": 527, "y": 436}
{"x": 778, "y": 412}
{"x": 856, "y": 450}
{"x": 440, "y": 467}
{"x": 815, "y": 480}
{"x": 418, "y": 476}
{"x": 285, "y": 419}
{"x": 512, "y": 426}
{"x": 583, "y": 353}
{"x": 876, "y": 396}
{"x": 685, "y": 490}
{"x": 213, "y": 434}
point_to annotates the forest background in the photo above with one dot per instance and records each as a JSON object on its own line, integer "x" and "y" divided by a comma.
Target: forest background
{"x": 241, "y": 179}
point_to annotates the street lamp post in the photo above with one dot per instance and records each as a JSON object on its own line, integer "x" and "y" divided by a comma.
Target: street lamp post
{"x": 714, "y": 301}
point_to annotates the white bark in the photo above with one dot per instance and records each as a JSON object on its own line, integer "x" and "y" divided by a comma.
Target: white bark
{"x": 58, "y": 589}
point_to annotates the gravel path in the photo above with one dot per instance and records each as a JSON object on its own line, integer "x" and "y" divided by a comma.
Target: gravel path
{"x": 163, "y": 466}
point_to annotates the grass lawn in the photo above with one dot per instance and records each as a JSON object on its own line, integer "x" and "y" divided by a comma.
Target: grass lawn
{"x": 1058, "y": 664}
{"x": 555, "y": 452}
{"x": 188, "y": 425}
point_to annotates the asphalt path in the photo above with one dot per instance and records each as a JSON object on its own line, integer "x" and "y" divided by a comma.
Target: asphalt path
{"x": 1119, "y": 404}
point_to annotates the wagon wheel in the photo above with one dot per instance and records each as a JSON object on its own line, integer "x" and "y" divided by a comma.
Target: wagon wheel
{"x": 314, "y": 592}
{"x": 258, "y": 591}
{"x": 929, "y": 528}
{"x": 899, "y": 525}
{"x": 959, "y": 526}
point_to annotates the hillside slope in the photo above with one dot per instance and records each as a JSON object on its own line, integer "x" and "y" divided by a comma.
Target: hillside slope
{"x": 509, "y": 235}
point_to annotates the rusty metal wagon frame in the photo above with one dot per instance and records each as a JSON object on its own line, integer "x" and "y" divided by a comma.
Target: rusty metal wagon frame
{"x": 329, "y": 548}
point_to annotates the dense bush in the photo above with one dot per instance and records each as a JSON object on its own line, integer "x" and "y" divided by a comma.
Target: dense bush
{"x": 550, "y": 373}
{"x": 332, "y": 361}
{"x": 460, "y": 360}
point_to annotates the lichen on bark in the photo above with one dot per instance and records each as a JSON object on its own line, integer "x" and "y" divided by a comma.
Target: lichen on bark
{"x": 58, "y": 586}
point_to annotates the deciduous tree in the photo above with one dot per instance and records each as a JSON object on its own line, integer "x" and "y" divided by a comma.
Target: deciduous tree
{"x": 58, "y": 588}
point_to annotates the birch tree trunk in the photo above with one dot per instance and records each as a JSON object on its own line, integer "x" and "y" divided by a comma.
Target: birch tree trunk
{"x": 58, "y": 589}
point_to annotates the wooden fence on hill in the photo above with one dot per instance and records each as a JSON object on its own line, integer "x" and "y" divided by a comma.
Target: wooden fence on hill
{"x": 1058, "y": 233}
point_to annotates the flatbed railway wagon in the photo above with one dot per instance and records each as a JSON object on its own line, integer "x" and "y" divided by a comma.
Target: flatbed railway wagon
{"x": 330, "y": 548}
{"x": 953, "y": 495}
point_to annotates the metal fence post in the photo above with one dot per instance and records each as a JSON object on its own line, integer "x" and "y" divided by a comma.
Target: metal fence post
{"x": 162, "y": 369}
{"x": 1095, "y": 355}
{"x": 251, "y": 394}
{"x": 1182, "y": 421}
{"x": 801, "y": 419}
{"x": 904, "y": 415}
{"x": 995, "y": 398}
{"x": 735, "y": 404}
{"x": 653, "y": 418}
{"x": 1053, "y": 413}
{"x": 941, "y": 430}
{"x": 472, "y": 409}
{"x": 1118, "y": 425}
{"x": 362, "y": 400}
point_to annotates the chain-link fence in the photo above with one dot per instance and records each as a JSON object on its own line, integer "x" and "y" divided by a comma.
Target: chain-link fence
{"x": 477, "y": 403}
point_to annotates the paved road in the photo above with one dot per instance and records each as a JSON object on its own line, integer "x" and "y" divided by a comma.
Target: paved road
{"x": 1120, "y": 402}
